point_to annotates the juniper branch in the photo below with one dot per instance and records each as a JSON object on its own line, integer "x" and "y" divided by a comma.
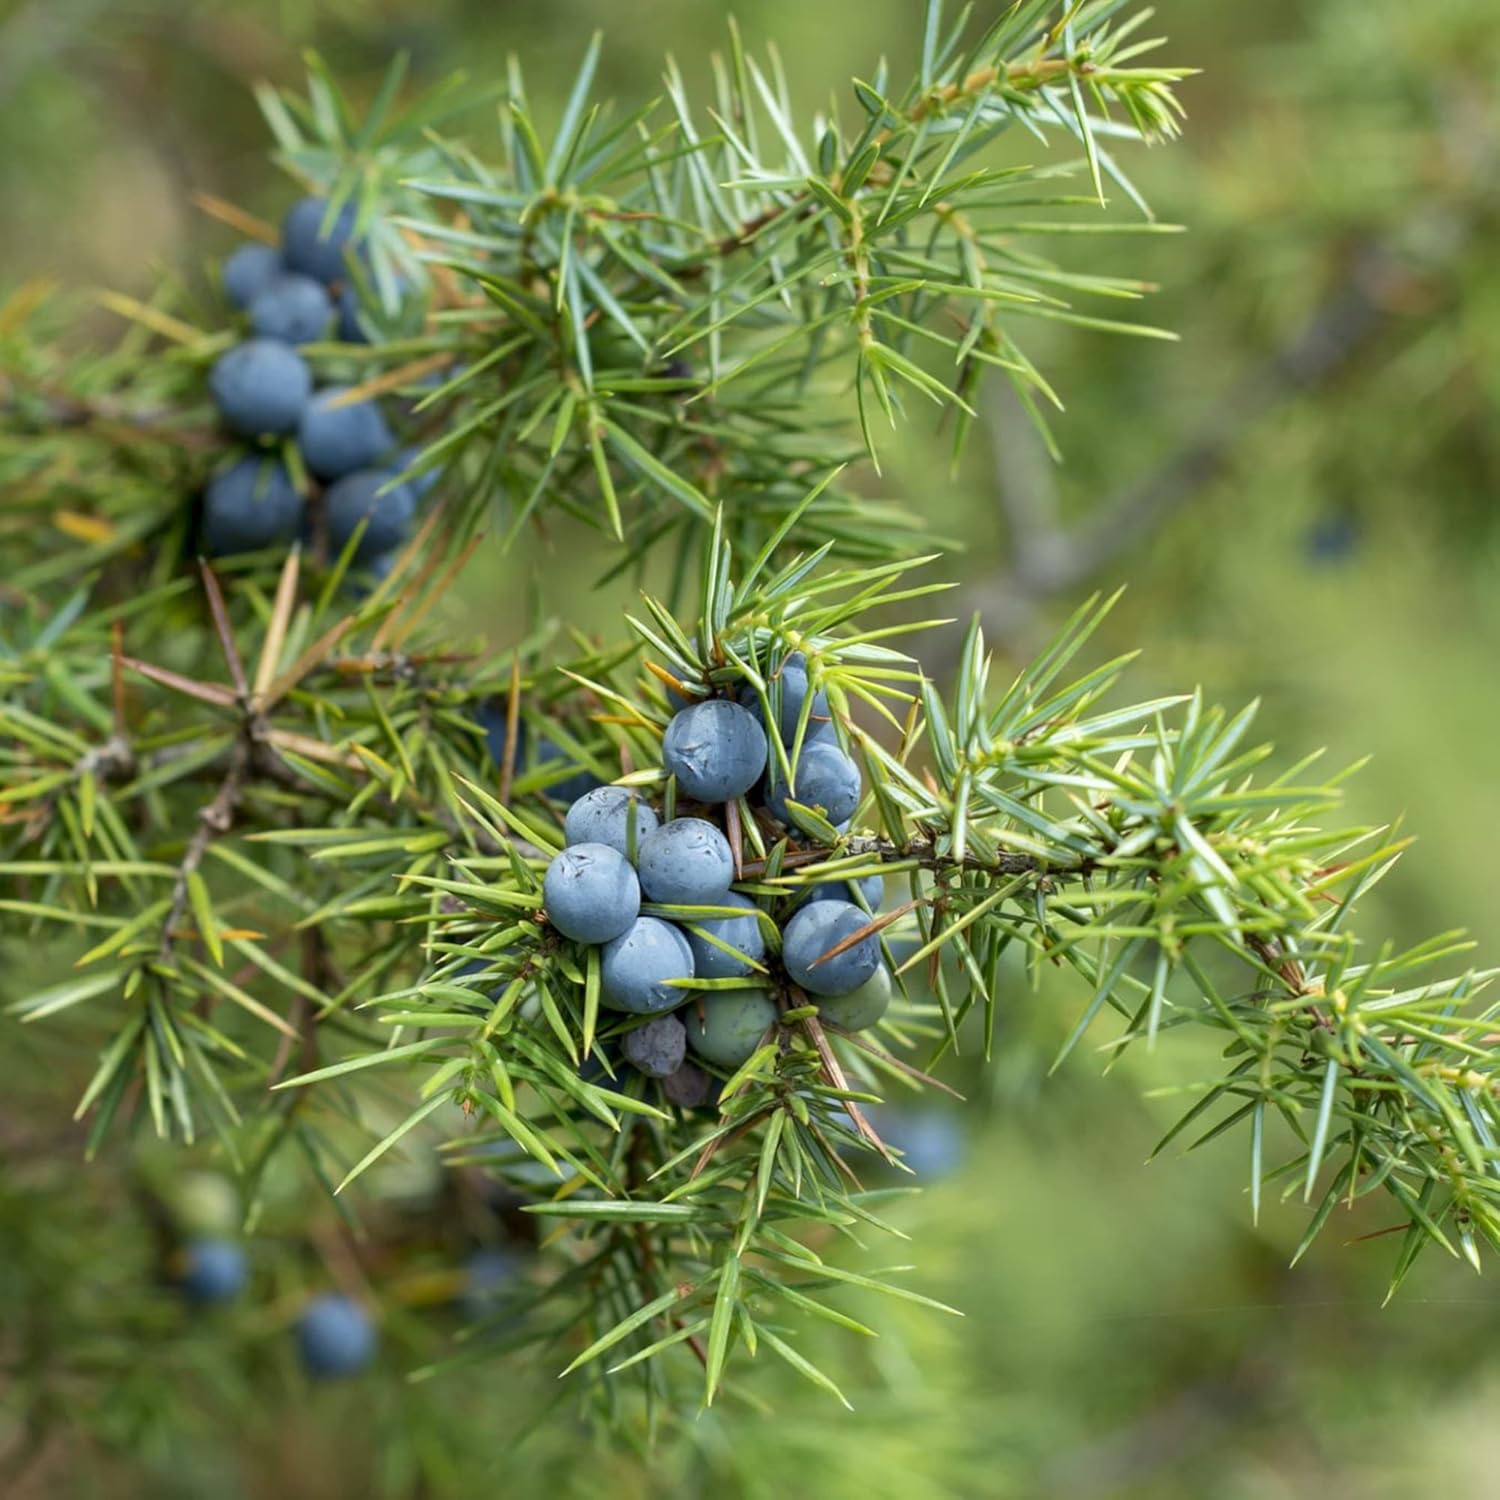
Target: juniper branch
{"x": 1127, "y": 844}
{"x": 215, "y": 818}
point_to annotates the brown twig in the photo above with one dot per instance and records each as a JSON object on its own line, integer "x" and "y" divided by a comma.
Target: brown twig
{"x": 223, "y": 629}
{"x": 112, "y": 418}
{"x": 642, "y": 1236}
{"x": 112, "y": 760}
{"x": 1050, "y": 559}
{"x": 833, "y": 1074}
{"x": 215, "y": 817}
{"x": 923, "y": 849}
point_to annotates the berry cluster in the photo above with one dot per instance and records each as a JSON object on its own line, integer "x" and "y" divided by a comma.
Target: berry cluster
{"x": 710, "y": 969}
{"x": 335, "y": 1334}
{"x": 264, "y": 392}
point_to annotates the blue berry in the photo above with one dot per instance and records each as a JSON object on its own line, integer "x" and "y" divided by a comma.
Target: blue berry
{"x": 335, "y": 1336}
{"x": 247, "y": 270}
{"x": 336, "y": 439}
{"x": 609, "y": 815}
{"x": 419, "y": 484}
{"x": 1332, "y": 538}
{"x": 715, "y": 749}
{"x": 491, "y": 718}
{"x": 247, "y": 506}
{"x": 813, "y": 931}
{"x": 826, "y": 778}
{"x": 358, "y": 495}
{"x": 490, "y": 715}
{"x": 686, "y": 862}
{"x": 871, "y": 887}
{"x": 213, "y": 1271}
{"x": 591, "y": 893}
{"x": 691, "y": 1088}
{"x": 637, "y": 965}
{"x": 570, "y": 788}
{"x": 725, "y": 1027}
{"x": 657, "y": 1048}
{"x": 351, "y": 328}
{"x": 861, "y": 1007}
{"x": 487, "y": 1276}
{"x": 306, "y": 248}
{"x": 260, "y": 387}
{"x": 929, "y": 1140}
{"x": 295, "y": 309}
{"x": 743, "y": 933}
{"x": 787, "y": 691}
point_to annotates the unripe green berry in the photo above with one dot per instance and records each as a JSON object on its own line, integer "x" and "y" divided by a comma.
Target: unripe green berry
{"x": 725, "y": 1027}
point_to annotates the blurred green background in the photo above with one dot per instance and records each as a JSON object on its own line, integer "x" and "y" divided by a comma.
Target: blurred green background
{"x": 1328, "y": 542}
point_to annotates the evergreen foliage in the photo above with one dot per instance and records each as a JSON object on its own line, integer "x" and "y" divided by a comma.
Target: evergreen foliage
{"x": 286, "y": 837}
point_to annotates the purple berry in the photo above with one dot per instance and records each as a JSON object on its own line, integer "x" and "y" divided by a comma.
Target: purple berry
{"x": 657, "y": 1048}
{"x": 691, "y": 1088}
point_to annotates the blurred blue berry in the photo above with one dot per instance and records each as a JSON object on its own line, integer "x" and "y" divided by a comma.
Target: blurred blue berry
{"x": 304, "y": 245}
{"x": 260, "y": 388}
{"x": 335, "y": 1336}
{"x": 247, "y": 270}
{"x": 338, "y": 437}
{"x": 247, "y": 506}
{"x": 295, "y": 309}
{"x": 213, "y": 1271}
{"x": 367, "y": 493}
